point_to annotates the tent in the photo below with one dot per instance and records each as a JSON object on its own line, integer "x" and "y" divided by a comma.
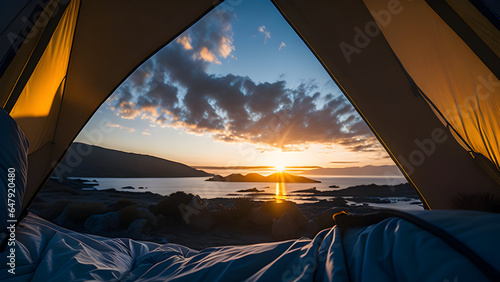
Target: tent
{"x": 424, "y": 75}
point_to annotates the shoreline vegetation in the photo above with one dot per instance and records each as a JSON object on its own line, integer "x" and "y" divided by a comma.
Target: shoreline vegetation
{"x": 187, "y": 219}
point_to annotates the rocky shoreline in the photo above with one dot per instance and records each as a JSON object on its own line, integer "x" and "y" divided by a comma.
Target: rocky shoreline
{"x": 187, "y": 219}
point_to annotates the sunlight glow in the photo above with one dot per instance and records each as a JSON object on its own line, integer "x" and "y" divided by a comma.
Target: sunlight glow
{"x": 279, "y": 168}
{"x": 280, "y": 192}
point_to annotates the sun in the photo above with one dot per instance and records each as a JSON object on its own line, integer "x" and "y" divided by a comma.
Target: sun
{"x": 279, "y": 167}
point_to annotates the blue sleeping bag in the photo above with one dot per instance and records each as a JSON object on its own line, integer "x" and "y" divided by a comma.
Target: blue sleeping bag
{"x": 390, "y": 249}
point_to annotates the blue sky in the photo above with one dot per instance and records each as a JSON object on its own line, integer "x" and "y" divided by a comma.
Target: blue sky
{"x": 239, "y": 88}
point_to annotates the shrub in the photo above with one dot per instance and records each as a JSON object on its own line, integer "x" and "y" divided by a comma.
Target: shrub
{"x": 169, "y": 205}
{"x": 80, "y": 211}
{"x": 226, "y": 215}
{"x": 132, "y": 212}
{"x": 244, "y": 205}
{"x": 60, "y": 189}
{"x": 121, "y": 203}
{"x": 49, "y": 210}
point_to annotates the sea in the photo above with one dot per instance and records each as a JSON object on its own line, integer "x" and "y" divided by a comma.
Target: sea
{"x": 211, "y": 189}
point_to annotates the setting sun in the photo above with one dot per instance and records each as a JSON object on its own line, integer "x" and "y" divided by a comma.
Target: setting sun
{"x": 280, "y": 168}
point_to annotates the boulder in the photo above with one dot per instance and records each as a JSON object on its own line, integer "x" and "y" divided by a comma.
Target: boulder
{"x": 277, "y": 210}
{"x": 312, "y": 228}
{"x": 284, "y": 227}
{"x": 260, "y": 217}
{"x": 197, "y": 214}
{"x": 136, "y": 228}
{"x": 203, "y": 221}
{"x": 98, "y": 223}
{"x": 162, "y": 221}
{"x": 130, "y": 213}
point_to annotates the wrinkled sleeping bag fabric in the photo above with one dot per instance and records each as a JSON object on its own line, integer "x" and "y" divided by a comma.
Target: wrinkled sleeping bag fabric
{"x": 14, "y": 148}
{"x": 390, "y": 250}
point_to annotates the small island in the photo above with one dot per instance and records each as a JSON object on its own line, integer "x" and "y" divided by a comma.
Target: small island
{"x": 252, "y": 190}
{"x": 281, "y": 177}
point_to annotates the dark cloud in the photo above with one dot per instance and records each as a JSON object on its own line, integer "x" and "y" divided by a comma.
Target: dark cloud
{"x": 174, "y": 89}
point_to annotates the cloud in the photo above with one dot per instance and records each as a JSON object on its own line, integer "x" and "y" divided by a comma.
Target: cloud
{"x": 281, "y": 45}
{"x": 267, "y": 34}
{"x": 125, "y": 107}
{"x": 208, "y": 56}
{"x": 114, "y": 125}
{"x": 178, "y": 92}
{"x": 185, "y": 41}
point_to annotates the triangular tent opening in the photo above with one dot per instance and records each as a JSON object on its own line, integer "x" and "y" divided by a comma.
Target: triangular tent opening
{"x": 202, "y": 102}
{"x": 427, "y": 89}
{"x": 422, "y": 74}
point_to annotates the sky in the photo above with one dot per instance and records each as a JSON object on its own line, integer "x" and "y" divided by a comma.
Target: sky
{"x": 238, "y": 88}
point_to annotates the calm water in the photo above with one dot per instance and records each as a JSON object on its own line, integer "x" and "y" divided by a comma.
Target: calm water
{"x": 210, "y": 189}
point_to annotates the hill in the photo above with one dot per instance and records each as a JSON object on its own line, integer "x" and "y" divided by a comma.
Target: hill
{"x": 388, "y": 170}
{"x": 255, "y": 177}
{"x": 83, "y": 160}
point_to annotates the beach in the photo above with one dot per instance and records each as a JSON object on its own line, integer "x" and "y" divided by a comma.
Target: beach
{"x": 199, "y": 222}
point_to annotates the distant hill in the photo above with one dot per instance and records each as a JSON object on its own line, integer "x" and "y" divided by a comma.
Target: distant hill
{"x": 94, "y": 161}
{"x": 255, "y": 177}
{"x": 387, "y": 170}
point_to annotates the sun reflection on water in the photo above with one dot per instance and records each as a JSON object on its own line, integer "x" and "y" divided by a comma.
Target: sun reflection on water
{"x": 280, "y": 192}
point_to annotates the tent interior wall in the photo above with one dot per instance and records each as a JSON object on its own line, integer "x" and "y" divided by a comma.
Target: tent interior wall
{"x": 432, "y": 102}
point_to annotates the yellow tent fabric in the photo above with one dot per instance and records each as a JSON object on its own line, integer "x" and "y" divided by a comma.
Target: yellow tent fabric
{"x": 481, "y": 25}
{"x": 345, "y": 37}
{"x": 37, "y": 108}
{"x": 464, "y": 90}
{"x": 13, "y": 37}
{"x": 110, "y": 39}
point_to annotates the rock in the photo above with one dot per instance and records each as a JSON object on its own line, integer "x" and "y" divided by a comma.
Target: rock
{"x": 259, "y": 217}
{"x": 197, "y": 214}
{"x": 98, "y": 223}
{"x": 130, "y": 213}
{"x": 325, "y": 220}
{"x": 62, "y": 218}
{"x": 284, "y": 227}
{"x": 78, "y": 212}
{"x": 310, "y": 190}
{"x": 338, "y": 202}
{"x": 312, "y": 228}
{"x": 254, "y": 190}
{"x": 162, "y": 221}
{"x": 203, "y": 221}
{"x": 301, "y": 220}
{"x": 277, "y": 210}
{"x": 136, "y": 228}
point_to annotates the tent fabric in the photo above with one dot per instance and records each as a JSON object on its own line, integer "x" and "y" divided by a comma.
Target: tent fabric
{"x": 12, "y": 25}
{"x": 391, "y": 250}
{"x": 467, "y": 34}
{"x": 479, "y": 23}
{"x": 111, "y": 38}
{"x": 19, "y": 42}
{"x": 345, "y": 37}
{"x": 109, "y": 41}
{"x": 462, "y": 87}
{"x": 12, "y": 9}
{"x": 13, "y": 169}
{"x": 490, "y": 9}
{"x": 38, "y": 105}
